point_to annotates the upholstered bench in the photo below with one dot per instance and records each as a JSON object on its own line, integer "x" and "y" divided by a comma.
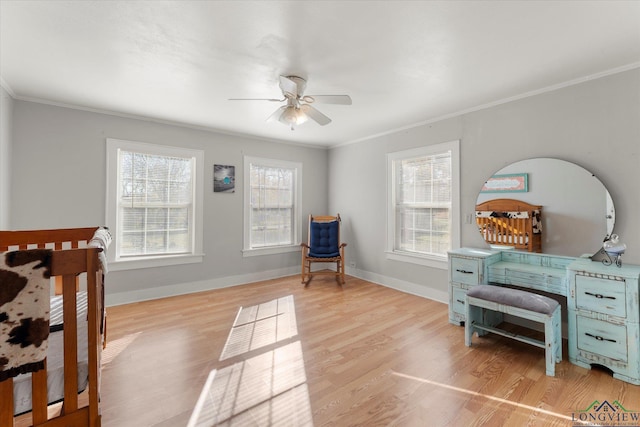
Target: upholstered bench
{"x": 517, "y": 303}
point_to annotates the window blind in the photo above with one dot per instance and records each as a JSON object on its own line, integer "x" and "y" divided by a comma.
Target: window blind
{"x": 155, "y": 204}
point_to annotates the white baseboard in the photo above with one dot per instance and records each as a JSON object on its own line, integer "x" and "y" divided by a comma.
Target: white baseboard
{"x": 225, "y": 282}
{"x": 401, "y": 285}
{"x": 192, "y": 287}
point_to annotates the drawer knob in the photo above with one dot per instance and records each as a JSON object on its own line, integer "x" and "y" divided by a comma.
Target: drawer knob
{"x": 460, "y": 301}
{"x": 600, "y": 296}
{"x": 464, "y": 271}
{"x": 598, "y": 337}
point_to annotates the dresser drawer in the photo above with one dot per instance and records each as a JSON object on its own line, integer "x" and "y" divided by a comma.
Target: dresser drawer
{"x": 458, "y": 301}
{"x": 602, "y": 338}
{"x": 601, "y": 295}
{"x": 465, "y": 271}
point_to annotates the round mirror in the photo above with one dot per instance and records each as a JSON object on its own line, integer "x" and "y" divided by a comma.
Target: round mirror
{"x": 576, "y": 211}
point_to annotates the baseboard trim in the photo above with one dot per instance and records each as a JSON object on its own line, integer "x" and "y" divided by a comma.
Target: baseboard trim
{"x": 424, "y": 291}
{"x": 121, "y": 298}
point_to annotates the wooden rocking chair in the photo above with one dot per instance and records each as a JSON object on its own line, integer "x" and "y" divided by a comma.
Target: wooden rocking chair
{"x": 323, "y": 246}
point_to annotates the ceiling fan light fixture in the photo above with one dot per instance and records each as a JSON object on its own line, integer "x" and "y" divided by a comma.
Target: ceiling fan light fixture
{"x": 293, "y": 116}
{"x": 301, "y": 117}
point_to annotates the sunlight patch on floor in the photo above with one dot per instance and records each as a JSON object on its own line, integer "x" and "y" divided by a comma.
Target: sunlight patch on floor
{"x": 489, "y": 397}
{"x": 261, "y": 325}
{"x": 268, "y": 389}
{"x": 115, "y": 347}
{"x": 268, "y": 385}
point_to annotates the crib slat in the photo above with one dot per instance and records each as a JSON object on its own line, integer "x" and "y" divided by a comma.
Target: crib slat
{"x": 39, "y": 395}
{"x": 521, "y": 231}
{"x": 94, "y": 310}
{"x": 6, "y": 403}
{"x": 70, "y": 337}
{"x": 58, "y": 285}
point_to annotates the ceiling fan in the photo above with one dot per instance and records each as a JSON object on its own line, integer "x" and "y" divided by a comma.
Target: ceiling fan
{"x": 298, "y": 109}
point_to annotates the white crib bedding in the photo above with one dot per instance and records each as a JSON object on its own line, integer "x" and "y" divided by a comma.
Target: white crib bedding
{"x": 55, "y": 359}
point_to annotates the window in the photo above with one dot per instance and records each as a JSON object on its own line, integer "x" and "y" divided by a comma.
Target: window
{"x": 272, "y": 214}
{"x": 423, "y": 205}
{"x": 154, "y": 204}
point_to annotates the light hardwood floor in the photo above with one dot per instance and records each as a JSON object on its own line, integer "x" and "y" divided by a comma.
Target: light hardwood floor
{"x": 371, "y": 356}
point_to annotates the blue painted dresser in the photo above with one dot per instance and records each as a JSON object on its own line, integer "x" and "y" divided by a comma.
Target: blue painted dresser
{"x": 603, "y": 310}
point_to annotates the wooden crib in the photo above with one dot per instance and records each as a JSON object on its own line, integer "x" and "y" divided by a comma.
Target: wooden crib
{"x": 509, "y": 222}
{"x": 74, "y": 252}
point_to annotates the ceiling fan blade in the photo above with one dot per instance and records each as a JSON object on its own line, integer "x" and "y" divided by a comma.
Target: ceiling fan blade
{"x": 276, "y": 114}
{"x": 315, "y": 114}
{"x": 328, "y": 99}
{"x": 256, "y": 99}
{"x": 289, "y": 87}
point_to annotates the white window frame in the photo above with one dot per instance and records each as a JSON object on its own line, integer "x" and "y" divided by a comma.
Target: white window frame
{"x": 247, "y": 250}
{"x": 429, "y": 260}
{"x": 116, "y": 262}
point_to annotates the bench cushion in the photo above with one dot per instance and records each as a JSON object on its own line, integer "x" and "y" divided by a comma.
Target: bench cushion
{"x": 515, "y": 298}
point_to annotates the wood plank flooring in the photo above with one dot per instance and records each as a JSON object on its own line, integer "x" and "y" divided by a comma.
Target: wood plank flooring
{"x": 372, "y": 356}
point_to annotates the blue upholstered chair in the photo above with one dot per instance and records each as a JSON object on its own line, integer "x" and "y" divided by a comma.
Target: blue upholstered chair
{"x": 323, "y": 246}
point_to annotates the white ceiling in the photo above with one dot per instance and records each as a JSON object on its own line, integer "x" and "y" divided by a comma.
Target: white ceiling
{"x": 402, "y": 62}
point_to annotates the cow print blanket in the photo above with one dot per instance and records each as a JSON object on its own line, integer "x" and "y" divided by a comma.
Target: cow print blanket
{"x": 24, "y": 311}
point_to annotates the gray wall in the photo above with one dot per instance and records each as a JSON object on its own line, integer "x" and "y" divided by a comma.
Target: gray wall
{"x": 595, "y": 124}
{"x": 6, "y": 139}
{"x": 59, "y": 181}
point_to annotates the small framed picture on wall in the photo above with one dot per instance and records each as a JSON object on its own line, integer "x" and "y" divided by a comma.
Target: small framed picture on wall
{"x": 224, "y": 179}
